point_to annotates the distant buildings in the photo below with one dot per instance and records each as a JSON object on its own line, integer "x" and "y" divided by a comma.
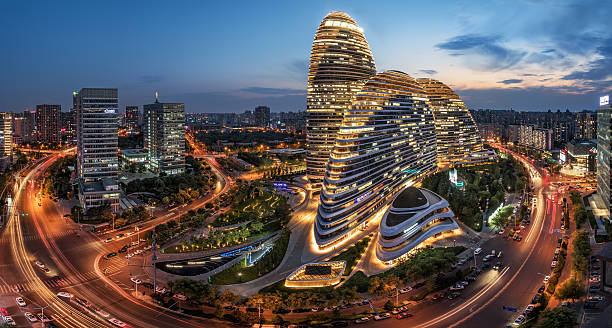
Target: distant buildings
{"x": 385, "y": 143}
{"x": 164, "y": 137}
{"x": 47, "y": 123}
{"x": 132, "y": 119}
{"x": 6, "y": 140}
{"x": 604, "y": 116}
{"x": 262, "y": 116}
{"x": 534, "y": 137}
{"x": 97, "y": 157}
{"x": 585, "y": 125}
{"x": 68, "y": 126}
{"x": 340, "y": 63}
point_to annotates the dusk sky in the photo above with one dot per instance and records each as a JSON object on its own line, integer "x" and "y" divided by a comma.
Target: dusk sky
{"x": 230, "y": 56}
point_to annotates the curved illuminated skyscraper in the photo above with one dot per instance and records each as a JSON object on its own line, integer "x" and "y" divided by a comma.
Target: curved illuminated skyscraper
{"x": 340, "y": 63}
{"x": 457, "y": 135}
{"x": 386, "y": 141}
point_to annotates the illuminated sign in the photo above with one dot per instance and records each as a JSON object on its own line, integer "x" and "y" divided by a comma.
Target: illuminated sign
{"x": 362, "y": 197}
{"x": 109, "y": 111}
{"x": 605, "y": 100}
{"x": 562, "y": 157}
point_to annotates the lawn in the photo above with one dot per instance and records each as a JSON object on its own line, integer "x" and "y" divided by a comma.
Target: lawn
{"x": 352, "y": 254}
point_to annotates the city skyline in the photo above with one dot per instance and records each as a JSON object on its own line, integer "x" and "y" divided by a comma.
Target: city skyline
{"x": 549, "y": 57}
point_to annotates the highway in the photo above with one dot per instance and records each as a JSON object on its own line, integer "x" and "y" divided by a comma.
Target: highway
{"x": 43, "y": 234}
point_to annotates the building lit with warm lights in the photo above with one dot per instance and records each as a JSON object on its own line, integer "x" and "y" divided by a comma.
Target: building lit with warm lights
{"x": 340, "y": 63}
{"x": 6, "y": 140}
{"x": 415, "y": 215}
{"x": 313, "y": 275}
{"x": 604, "y": 149}
{"x": 47, "y": 123}
{"x": 458, "y": 140}
{"x": 385, "y": 143}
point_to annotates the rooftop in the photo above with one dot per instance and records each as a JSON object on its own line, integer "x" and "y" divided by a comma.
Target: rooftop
{"x": 410, "y": 197}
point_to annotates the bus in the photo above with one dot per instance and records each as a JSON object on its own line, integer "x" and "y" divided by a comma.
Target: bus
{"x": 99, "y": 228}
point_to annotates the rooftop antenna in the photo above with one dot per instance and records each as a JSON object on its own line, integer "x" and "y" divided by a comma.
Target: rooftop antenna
{"x": 156, "y": 98}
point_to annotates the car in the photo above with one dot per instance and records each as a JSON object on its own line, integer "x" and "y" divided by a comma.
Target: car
{"x": 501, "y": 232}
{"x": 470, "y": 278}
{"x": 108, "y": 240}
{"x": 546, "y": 279}
{"x": 117, "y": 322}
{"x": 46, "y": 270}
{"x": 30, "y": 317}
{"x": 453, "y": 295}
{"x": 180, "y": 297}
{"x": 20, "y": 301}
{"x": 119, "y": 236}
{"x": 404, "y": 315}
{"x": 138, "y": 252}
{"x": 477, "y": 251}
{"x": 9, "y": 321}
{"x": 528, "y": 309}
{"x": 3, "y": 312}
{"x": 565, "y": 303}
{"x": 456, "y": 287}
{"x": 595, "y": 279}
{"x": 553, "y": 264}
{"x": 486, "y": 258}
{"x": 160, "y": 290}
{"x": 519, "y": 320}
{"x": 65, "y": 295}
{"x": 399, "y": 310}
{"x": 110, "y": 255}
{"x": 519, "y": 238}
{"x": 405, "y": 290}
{"x": 129, "y": 255}
{"x": 382, "y": 316}
{"x": 102, "y": 313}
{"x": 135, "y": 243}
{"x": 339, "y": 324}
{"x": 536, "y": 298}
{"x": 594, "y": 288}
{"x": 477, "y": 272}
{"x": 39, "y": 263}
{"x": 50, "y": 324}
{"x": 541, "y": 289}
{"x": 362, "y": 320}
{"x": 136, "y": 280}
{"x": 596, "y": 298}
{"x": 498, "y": 266}
{"x": 42, "y": 317}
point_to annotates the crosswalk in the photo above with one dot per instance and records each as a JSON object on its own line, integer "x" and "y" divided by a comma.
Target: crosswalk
{"x": 56, "y": 283}
{"x": 31, "y": 237}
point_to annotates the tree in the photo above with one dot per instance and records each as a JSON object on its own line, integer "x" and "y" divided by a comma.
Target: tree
{"x": 560, "y": 317}
{"x": 257, "y": 226}
{"x": 389, "y": 306}
{"x": 571, "y": 288}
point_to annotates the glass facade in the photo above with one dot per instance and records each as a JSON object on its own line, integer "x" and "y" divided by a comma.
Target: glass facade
{"x": 386, "y": 141}
{"x": 340, "y": 63}
{"x": 164, "y": 137}
{"x": 457, "y": 135}
{"x": 604, "y": 115}
{"x": 97, "y": 155}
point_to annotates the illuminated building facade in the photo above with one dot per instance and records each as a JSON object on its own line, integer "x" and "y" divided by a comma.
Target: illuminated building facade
{"x": 6, "y": 140}
{"x": 164, "y": 137}
{"x": 340, "y": 63}
{"x": 47, "y": 123}
{"x": 97, "y": 155}
{"x": 385, "y": 142}
{"x": 313, "y": 275}
{"x": 458, "y": 141}
{"x": 604, "y": 149}
{"x": 415, "y": 215}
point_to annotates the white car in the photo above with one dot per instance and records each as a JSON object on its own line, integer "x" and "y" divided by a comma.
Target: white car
{"x": 553, "y": 264}
{"x": 160, "y": 290}
{"x": 135, "y": 280}
{"x": 117, "y": 322}
{"x": 138, "y": 252}
{"x": 382, "y": 316}
{"x": 39, "y": 263}
{"x": 9, "y": 321}
{"x": 20, "y": 301}
{"x": 135, "y": 243}
{"x": 595, "y": 279}
{"x": 65, "y": 294}
{"x": 529, "y": 308}
{"x": 405, "y": 290}
{"x": 519, "y": 320}
{"x": 362, "y": 320}
{"x": 546, "y": 279}
{"x": 596, "y": 298}
{"x": 30, "y": 317}
{"x": 129, "y": 255}
{"x": 108, "y": 240}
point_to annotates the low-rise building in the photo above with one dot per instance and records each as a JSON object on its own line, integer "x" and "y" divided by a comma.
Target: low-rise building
{"x": 313, "y": 275}
{"x": 580, "y": 155}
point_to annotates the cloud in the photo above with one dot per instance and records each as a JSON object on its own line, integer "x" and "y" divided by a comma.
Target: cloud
{"x": 599, "y": 69}
{"x": 529, "y": 74}
{"x": 510, "y": 81}
{"x": 486, "y": 50}
{"x": 149, "y": 79}
{"x": 428, "y": 71}
{"x": 273, "y": 91}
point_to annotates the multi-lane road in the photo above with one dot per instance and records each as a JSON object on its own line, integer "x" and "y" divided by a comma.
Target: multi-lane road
{"x": 39, "y": 232}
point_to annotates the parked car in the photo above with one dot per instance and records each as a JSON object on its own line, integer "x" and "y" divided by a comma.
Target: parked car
{"x": 362, "y": 320}
{"x": 20, "y": 301}
{"x": 453, "y": 295}
{"x": 528, "y": 309}
{"x": 541, "y": 289}
{"x": 404, "y": 315}
{"x": 546, "y": 279}
{"x": 405, "y": 290}
{"x": 30, "y": 317}
{"x": 382, "y": 316}
{"x": 65, "y": 295}
{"x": 519, "y": 320}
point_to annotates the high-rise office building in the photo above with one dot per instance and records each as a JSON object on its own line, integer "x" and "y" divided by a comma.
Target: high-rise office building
{"x": 18, "y": 128}
{"x": 47, "y": 123}
{"x": 534, "y": 137}
{"x": 340, "y": 63}
{"x": 68, "y": 126}
{"x": 262, "y": 116}
{"x": 132, "y": 118}
{"x": 386, "y": 142}
{"x": 458, "y": 140}
{"x": 164, "y": 137}
{"x": 585, "y": 125}
{"x": 604, "y": 118}
{"x": 97, "y": 155}
{"x": 6, "y": 140}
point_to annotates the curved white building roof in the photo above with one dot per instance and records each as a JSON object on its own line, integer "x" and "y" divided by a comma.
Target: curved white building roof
{"x": 415, "y": 215}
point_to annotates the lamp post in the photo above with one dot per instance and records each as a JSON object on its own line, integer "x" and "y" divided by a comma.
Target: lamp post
{"x": 42, "y": 314}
